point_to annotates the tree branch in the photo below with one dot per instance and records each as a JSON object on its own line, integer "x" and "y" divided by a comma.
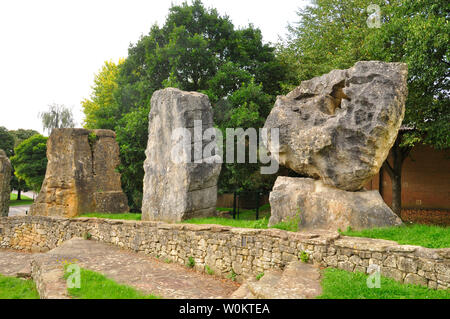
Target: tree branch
{"x": 388, "y": 168}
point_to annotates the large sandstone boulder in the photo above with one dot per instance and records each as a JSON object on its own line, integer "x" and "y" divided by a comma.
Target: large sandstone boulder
{"x": 5, "y": 180}
{"x": 340, "y": 126}
{"x": 175, "y": 190}
{"x": 81, "y": 175}
{"x": 319, "y": 206}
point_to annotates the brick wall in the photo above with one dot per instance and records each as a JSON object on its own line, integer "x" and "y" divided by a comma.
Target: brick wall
{"x": 425, "y": 180}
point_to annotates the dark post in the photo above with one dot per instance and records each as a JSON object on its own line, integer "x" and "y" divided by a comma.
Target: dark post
{"x": 258, "y": 198}
{"x": 234, "y": 205}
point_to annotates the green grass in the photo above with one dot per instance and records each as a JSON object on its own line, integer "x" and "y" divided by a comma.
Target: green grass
{"x": 247, "y": 218}
{"x": 97, "y": 286}
{"x": 126, "y": 216}
{"x": 16, "y": 288}
{"x": 421, "y": 235}
{"x": 241, "y": 223}
{"x": 341, "y": 284}
{"x": 25, "y": 200}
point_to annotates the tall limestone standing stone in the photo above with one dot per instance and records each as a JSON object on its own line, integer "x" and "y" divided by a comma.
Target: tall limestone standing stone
{"x": 338, "y": 128}
{"x": 5, "y": 180}
{"x": 81, "y": 176}
{"x": 176, "y": 189}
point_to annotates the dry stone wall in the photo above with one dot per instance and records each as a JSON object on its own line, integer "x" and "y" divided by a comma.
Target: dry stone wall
{"x": 245, "y": 251}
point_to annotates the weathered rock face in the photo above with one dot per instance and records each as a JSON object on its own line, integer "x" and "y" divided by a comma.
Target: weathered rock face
{"x": 178, "y": 190}
{"x": 340, "y": 126}
{"x": 319, "y": 206}
{"x": 81, "y": 176}
{"x": 5, "y": 180}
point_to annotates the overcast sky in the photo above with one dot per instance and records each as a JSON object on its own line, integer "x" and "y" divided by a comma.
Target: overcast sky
{"x": 51, "y": 50}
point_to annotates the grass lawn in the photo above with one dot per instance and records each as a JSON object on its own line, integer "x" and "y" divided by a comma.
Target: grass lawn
{"x": 247, "y": 218}
{"x": 341, "y": 284}
{"x": 24, "y": 200}
{"x": 421, "y": 235}
{"x": 126, "y": 216}
{"x": 97, "y": 286}
{"x": 16, "y": 288}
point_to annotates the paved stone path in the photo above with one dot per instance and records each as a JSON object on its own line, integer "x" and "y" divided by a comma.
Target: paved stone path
{"x": 147, "y": 274}
{"x": 13, "y": 262}
{"x": 18, "y": 210}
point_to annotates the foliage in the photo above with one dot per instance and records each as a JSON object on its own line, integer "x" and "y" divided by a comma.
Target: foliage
{"x": 259, "y": 276}
{"x": 22, "y": 134}
{"x": 233, "y": 275}
{"x": 16, "y": 288}
{"x": 19, "y": 136}
{"x": 132, "y": 136}
{"x": 30, "y": 161}
{"x": 57, "y": 116}
{"x": 334, "y": 35}
{"x": 304, "y": 257}
{"x": 100, "y": 109}
{"x": 97, "y": 286}
{"x": 416, "y": 234}
{"x": 341, "y": 284}
{"x": 6, "y": 141}
{"x": 208, "y": 270}
{"x": 290, "y": 223}
{"x": 191, "y": 262}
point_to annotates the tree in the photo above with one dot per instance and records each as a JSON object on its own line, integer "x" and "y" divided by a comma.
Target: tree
{"x": 30, "y": 161}
{"x": 16, "y": 183}
{"x": 101, "y": 109}
{"x": 6, "y": 141}
{"x": 57, "y": 116}
{"x": 132, "y": 138}
{"x": 196, "y": 49}
{"x": 335, "y": 35}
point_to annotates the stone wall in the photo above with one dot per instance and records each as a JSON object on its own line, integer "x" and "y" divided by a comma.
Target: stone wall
{"x": 245, "y": 251}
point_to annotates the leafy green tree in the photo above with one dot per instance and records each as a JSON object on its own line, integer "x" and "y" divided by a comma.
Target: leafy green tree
{"x": 57, "y": 116}
{"x": 6, "y": 141}
{"x": 30, "y": 161}
{"x": 22, "y": 134}
{"x": 16, "y": 183}
{"x": 335, "y": 34}
{"x": 100, "y": 109}
{"x": 132, "y": 138}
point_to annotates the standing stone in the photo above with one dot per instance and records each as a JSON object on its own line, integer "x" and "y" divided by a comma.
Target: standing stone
{"x": 314, "y": 205}
{"x": 176, "y": 189}
{"x": 5, "y": 180}
{"x": 339, "y": 127}
{"x": 81, "y": 175}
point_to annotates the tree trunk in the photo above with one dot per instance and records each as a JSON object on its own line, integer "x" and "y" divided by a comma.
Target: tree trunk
{"x": 19, "y": 191}
{"x": 395, "y": 173}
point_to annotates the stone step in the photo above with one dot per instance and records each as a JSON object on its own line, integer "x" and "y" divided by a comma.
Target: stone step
{"x": 298, "y": 281}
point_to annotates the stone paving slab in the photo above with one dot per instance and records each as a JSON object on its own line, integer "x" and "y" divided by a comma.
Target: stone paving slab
{"x": 14, "y": 262}
{"x": 145, "y": 273}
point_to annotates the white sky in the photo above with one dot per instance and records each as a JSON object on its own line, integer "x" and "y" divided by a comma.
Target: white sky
{"x": 51, "y": 50}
